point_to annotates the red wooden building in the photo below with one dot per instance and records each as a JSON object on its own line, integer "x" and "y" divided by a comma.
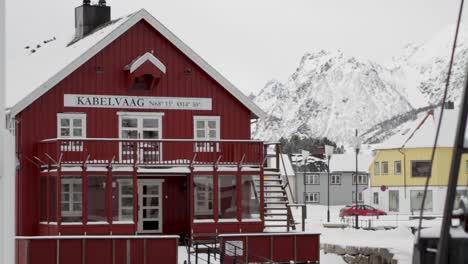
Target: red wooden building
{"x": 129, "y": 142}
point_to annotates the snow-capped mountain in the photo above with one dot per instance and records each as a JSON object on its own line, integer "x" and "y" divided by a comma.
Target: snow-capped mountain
{"x": 331, "y": 94}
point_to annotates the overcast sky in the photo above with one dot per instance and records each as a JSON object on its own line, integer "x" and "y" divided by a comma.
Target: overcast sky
{"x": 253, "y": 41}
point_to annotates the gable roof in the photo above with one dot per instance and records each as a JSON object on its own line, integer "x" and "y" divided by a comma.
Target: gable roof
{"x": 421, "y": 132}
{"x": 47, "y": 69}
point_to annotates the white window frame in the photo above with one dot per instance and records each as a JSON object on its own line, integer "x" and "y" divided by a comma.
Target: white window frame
{"x": 71, "y": 212}
{"x": 70, "y": 116}
{"x": 207, "y": 147}
{"x": 335, "y": 179}
{"x": 122, "y": 196}
{"x": 362, "y": 179}
{"x": 375, "y": 198}
{"x": 140, "y": 116}
{"x": 395, "y": 167}
{"x": 311, "y": 197}
{"x": 384, "y": 172}
{"x": 312, "y": 179}
{"x": 376, "y": 168}
{"x": 204, "y": 209}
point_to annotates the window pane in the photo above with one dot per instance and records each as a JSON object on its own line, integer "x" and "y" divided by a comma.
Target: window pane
{"x": 129, "y": 134}
{"x": 212, "y": 134}
{"x": 201, "y": 134}
{"x": 150, "y": 134}
{"x": 77, "y": 123}
{"x": 416, "y": 200}
{"x": 71, "y": 199}
{"x": 227, "y": 197}
{"x": 64, "y": 122}
{"x": 122, "y": 198}
{"x": 250, "y": 197}
{"x": 97, "y": 198}
{"x": 77, "y": 132}
{"x": 150, "y": 123}
{"x": 129, "y": 122}
{"x": 421, "y": 168}
{"x": 212, "y": 124}
{"x": 203, "y": 188}
{"x": 65, "y": 132}
{"x": 200, "y": 124}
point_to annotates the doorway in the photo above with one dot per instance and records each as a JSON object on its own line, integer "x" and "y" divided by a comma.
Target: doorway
{"x": 150, "y": 206}
{"x": 144, "y": 126}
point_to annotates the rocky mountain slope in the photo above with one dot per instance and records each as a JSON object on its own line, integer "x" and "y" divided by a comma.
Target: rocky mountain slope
{"x": 331, "y": 94}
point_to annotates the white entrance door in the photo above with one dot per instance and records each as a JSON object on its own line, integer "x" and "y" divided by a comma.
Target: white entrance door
{"x": 150, "y": 206}
{"x": 140, "y": 126}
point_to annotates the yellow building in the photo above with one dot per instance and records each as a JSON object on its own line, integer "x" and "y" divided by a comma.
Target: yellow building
{"x": 402, "y": 165}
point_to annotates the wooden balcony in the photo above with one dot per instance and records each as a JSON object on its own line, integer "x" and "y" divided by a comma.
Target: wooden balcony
{"x": 138, "y": 152}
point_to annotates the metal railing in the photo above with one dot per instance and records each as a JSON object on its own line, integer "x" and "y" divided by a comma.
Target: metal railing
{"x": 149, "y": 151}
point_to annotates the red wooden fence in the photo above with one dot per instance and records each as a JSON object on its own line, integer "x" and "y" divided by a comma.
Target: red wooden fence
{"x": 97, "y": 249}
{"x": 267, "y": 247}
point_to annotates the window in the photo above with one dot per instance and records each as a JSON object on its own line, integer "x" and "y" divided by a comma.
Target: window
{"x": 375, "y": 197}
{"x": 421, "y": 168}
{"x": 393, "y": 201}
{"x": 206, "y": 128}
{"x": 335, "y": 179}
{"x": 376, "y": 168}
{"x": 227, "y": 197}
{"x": 71, "y": 125}
{"x": 353, "y": 198}
{"x": 466, "y": 166}
{"x": 250, "y": 197}
{"x": 311, "y": 197}
{"x": 97, "y": 198}
{"x": 312, "y": 179}
{"x": 362, "y": 179}
{"x": 144, "y": 82}
{"x": 397, "y": 167}
{"x": 122, "y": 198}
{"x": 71, "y": 198}
{"x": 384, "y": 167}
{"x": 416, "y": 200}
{"x": 203, "y": 189}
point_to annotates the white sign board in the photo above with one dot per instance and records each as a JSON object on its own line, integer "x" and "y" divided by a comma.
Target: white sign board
{"x": 136, "y": 102}
{"x": 234, "y": 248}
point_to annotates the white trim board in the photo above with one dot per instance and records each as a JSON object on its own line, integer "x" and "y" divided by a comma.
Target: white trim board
{"x": 129, "y": 22}
{"x": 144, "y": 58}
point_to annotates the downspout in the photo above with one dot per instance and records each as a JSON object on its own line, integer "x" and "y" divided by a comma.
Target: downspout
{"x": 404, "y": 170}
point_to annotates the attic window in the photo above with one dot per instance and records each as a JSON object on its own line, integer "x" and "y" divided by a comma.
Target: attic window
{"x": 143, "y": 82}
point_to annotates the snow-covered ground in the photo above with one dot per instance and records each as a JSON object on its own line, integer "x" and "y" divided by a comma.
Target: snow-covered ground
{"x": 399, "y": 240}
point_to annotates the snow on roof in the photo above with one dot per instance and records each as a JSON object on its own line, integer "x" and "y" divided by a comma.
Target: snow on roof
{"x": 35, "y": 73}
{"x": 347, "y": 162}
{"x": 49, "y": 60}
{"x": 421, "y": 132}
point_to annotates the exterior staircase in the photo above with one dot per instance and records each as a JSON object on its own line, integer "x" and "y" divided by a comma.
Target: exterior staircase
{"x": 276, "y": 201}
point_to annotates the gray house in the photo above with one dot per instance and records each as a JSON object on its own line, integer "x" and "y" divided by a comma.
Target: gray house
{"x": 312, "y": 187}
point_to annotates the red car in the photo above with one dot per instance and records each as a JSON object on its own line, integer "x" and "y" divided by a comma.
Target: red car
{"x": 360, "y": 209}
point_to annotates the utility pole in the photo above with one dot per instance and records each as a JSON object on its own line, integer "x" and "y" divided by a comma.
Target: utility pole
{"x": 328, "y": 153}
{"x": 357, "y": 146}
